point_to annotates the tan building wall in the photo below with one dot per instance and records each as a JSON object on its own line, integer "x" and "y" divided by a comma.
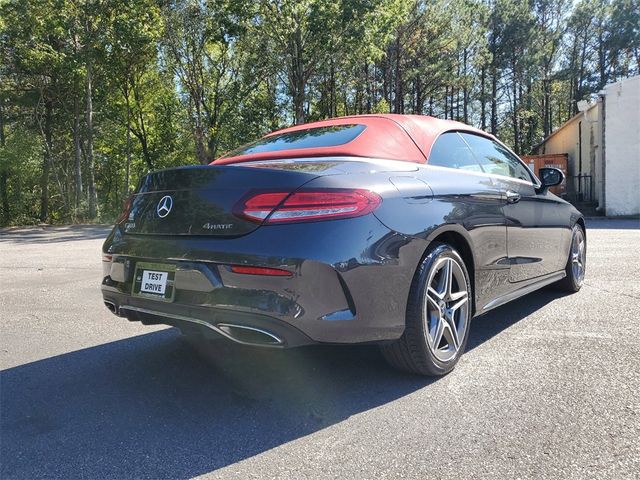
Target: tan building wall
{"x": 580, "y": 138}
{"x": 616, "y": 181}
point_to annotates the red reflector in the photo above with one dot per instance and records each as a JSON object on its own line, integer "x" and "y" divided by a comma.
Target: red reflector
{"x": 307, "y": 205}
{"x": 274, "y": 272}
{"x": 106, "y": 257}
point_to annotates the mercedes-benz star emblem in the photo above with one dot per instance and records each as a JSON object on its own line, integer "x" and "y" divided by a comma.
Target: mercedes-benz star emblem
{"x": 164, "y": 206}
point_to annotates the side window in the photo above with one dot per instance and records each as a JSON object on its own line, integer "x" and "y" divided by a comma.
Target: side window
{"x": 449, "y": 150}
{"x": 496, "y": 159}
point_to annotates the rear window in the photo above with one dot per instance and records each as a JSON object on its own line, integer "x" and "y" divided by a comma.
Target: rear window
{"x": 308, "y": 138}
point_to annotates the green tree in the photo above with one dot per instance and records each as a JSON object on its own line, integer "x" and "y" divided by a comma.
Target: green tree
{"x": 95, "y": 93}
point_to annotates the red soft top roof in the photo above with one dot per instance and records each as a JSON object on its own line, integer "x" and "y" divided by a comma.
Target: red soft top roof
{"x": 392, "y": 136}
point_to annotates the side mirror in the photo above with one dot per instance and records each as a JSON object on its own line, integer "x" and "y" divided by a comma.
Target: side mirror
{"x": 550, "y": 177}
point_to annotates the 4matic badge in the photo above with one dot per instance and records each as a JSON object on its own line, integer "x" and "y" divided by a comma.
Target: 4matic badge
{"x": 217, "y": 226}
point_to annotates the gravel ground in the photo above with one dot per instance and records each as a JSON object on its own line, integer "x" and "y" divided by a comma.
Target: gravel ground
{"x": 549, "y": 386}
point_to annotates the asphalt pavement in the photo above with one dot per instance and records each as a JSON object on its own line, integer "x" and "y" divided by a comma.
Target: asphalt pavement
{"x": 549, "y": 386}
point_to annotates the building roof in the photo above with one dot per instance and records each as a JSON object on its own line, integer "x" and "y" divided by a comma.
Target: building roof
{"x": 391, "y": 136}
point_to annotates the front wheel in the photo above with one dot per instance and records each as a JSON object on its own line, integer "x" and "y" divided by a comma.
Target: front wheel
{"x": 576, "y": 263}
{"x": 438, "y": 316}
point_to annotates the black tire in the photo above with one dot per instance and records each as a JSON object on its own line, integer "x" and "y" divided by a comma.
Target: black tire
{"x": 575, "y": 276}
{"x": 413, "y": 352}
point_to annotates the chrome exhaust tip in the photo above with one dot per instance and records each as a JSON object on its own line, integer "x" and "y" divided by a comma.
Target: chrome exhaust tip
{"x": 111, "y": 306}
{"x": 249, "y": 335}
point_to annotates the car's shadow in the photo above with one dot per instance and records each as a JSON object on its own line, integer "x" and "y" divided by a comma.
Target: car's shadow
{"x": 153, "y": 406}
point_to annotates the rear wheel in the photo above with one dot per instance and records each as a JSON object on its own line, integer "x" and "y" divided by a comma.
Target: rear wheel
{"x": 438, "y": 316}
{"x": 576, "y": 263}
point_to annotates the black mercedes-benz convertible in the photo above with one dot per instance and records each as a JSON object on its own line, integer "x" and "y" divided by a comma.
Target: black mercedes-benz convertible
{"x": 387, "y": 229}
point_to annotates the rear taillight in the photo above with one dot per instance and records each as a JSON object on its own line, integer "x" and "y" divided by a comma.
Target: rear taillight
{"x": 308, "y": 205}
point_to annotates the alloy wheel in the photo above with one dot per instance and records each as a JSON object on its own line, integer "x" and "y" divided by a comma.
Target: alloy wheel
{"x": 446, "y": 309}
{"x": 578, "y": 253}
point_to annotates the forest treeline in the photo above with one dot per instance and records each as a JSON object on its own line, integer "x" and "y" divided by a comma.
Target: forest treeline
{"x": 95, "y": 93}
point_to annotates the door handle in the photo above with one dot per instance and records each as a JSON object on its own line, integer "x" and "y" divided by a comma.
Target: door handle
{"x": 512, "y": 197}
{"x": 488, "y": 195}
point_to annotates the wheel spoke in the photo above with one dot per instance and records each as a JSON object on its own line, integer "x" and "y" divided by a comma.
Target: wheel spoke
{"x": 451, "y": 335}
{"x": 433, "y": 300}
{"x": 457, "y": 295}
{"x": 448, "y": 275}
{"x": 460, "y": 302}
{"x": 438, "y": 330}
{"x": 434, "y": 295}
{"x": 441, "y": 286}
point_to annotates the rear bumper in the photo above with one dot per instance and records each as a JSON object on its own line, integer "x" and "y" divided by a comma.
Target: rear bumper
{"x": 348, "y": 291}
{"x": 244, "y": 328}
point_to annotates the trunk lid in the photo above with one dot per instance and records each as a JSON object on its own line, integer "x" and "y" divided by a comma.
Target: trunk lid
{"x": 200, "y": 200}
